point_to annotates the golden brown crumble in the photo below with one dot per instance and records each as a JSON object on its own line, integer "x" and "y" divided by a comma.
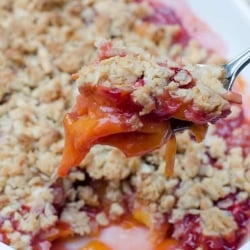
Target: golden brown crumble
{"x": 42, "y": 43}
{"x": 216, "y": 221}
{"x": 79, "y": 221}
{"x": 109, "y": 163}
{"x": 135, "y": 63}
{"x": 102, "y": 219}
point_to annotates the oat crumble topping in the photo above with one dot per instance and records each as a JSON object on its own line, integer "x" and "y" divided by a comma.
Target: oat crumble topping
{"x": 134, "y": 63}
{"x": 42, "y": 43}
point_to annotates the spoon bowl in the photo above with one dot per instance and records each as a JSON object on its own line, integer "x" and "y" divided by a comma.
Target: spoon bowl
{"x": 234, "y": 67}
{"x": 232, "y": 70}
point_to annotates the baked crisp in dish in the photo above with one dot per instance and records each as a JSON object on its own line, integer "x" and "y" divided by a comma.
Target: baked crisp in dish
{"x": 205, "y": 203}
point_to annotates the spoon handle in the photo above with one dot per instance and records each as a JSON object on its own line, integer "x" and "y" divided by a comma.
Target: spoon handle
{"x": 234, "y": 67}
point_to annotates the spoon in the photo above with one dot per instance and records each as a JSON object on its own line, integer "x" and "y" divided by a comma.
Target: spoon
{"x": 233, "y": 69}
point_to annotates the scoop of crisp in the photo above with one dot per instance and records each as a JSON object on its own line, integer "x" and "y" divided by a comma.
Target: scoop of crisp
{"x": 127, "y": 99}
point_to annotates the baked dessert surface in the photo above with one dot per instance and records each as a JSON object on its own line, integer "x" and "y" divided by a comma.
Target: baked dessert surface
{"x": 44, "y": 42}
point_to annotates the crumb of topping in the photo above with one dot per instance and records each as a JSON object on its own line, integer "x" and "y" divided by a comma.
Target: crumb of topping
{"x": 167, "y": 203}
{"x": 109, "y": 163}
{"x": 20, "y": 241}
{"x": 150, "y": 187}
{"x": 113, "y": 191}
{"x": 102, "y": 219}
{"x": 88, "y": 195}
{"x": 215, "y": 221}
{"x": 116, "y": 210}
{"x": 4, "y": 200}
{"x": 78, "y": 220}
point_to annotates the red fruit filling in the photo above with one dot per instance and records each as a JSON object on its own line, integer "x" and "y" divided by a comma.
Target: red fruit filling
{"x": 235, "y": 139}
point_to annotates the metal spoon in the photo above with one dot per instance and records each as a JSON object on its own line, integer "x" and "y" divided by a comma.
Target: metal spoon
{"x": 233, "y": 68}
